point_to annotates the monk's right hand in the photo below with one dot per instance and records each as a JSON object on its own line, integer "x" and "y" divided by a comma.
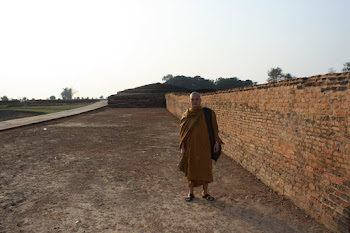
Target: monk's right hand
{"x": 183, "y": 150}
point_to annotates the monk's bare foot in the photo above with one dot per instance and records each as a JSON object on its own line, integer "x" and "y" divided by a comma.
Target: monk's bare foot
{"x": 208, "y": 197}
{"x": 189, "y": 197}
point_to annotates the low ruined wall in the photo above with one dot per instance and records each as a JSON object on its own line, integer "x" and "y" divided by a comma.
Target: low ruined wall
{"x": 147, "y": 96}
{"x": 294, "y": 136}
{"x": 137, "y": 100}
{"x": 46, "y": 102}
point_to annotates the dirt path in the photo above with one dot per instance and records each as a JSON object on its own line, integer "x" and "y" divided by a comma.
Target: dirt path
{"x": 115, "y": 170}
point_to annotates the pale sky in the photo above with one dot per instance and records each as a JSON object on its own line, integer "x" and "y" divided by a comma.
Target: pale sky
{"x": 102, "y": 47}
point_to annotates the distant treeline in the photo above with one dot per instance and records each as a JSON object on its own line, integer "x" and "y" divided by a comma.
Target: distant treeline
{"x": 199, "y": 83}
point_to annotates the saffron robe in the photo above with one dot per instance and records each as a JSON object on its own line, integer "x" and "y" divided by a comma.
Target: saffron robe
{"x": 196, "y": 164}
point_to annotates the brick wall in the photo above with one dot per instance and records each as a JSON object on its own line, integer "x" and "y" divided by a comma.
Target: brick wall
{"x": 294, "y": 136}
{"x": 137, "y": 100}
{"x": 147, "y": 96}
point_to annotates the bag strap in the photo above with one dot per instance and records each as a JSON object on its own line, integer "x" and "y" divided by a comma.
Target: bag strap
{"x": 208, "y": 119}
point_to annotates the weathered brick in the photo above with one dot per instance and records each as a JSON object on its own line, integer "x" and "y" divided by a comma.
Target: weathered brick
{"x": 297, "y": 139}
{"x": 312, "y": 186}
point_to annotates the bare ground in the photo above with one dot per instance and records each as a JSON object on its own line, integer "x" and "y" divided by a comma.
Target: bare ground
{"x": 115, "y": 170}
{"x": 6, "y": 115}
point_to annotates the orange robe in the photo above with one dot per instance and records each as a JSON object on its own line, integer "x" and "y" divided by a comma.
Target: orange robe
{"x": 196, "y": 164}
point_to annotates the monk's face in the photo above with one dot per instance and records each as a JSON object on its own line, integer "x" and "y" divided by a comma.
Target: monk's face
{"x": 195, "y": 101}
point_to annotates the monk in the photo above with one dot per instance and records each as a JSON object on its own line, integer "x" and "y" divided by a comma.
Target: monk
{"x": 196, "y": 163}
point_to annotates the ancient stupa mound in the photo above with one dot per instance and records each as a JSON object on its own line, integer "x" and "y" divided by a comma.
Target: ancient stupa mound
{"x": 148, "y": 96}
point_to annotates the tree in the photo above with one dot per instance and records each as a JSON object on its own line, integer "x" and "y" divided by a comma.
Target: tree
{"x": 287, "y": 76}
{"x": 52, "y": 97}
{"x": 346, "y": 67}
{"x": 67, "y": 93}
{"x": 195, "y": 83}
{"x": 331, "y": 70}
{"x": 101, "y": 97}
{"x": 4, "y": 98}
{"x": 229, "y": 83}
{"x": 167, "y": 78}
{"x": 199, "y": 83}
{"x": 275, "y": 74}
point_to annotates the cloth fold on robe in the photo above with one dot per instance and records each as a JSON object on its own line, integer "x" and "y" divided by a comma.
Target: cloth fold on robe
{"x": 196, "y": 164}
{"x": 187, "y": 122}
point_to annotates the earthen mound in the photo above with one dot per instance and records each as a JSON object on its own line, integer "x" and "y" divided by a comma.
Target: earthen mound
{"x": 147, "y": 96}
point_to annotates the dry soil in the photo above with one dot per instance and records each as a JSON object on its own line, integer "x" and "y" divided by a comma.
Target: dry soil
{"x": 6, "y": 115}
{"x": 115, "y": 170}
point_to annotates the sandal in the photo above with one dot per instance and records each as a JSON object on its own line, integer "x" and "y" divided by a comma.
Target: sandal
{"x": 189, "y": 197}
{"x": 208, "y": 197}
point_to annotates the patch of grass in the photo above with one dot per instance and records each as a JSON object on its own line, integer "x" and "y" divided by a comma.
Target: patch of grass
{"x": 45, "y": 109}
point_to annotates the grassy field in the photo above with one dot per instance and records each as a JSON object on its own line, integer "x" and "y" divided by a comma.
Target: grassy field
{"x": 42, "y": 109}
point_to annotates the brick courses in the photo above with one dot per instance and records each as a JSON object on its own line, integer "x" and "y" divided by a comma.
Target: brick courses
{"x": 148, "y": 96}
{"x": 293, "y": 135}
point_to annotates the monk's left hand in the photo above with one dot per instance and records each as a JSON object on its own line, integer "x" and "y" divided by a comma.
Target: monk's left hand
{"x": 216, "y": 147}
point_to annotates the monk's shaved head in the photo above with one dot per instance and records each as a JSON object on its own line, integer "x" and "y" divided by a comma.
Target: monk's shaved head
{"x": 196, "y": 94}
{"x": 195, "y": 100}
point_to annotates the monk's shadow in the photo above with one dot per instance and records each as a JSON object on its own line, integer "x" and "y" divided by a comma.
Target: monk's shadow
{"x": 254, "y": 217}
